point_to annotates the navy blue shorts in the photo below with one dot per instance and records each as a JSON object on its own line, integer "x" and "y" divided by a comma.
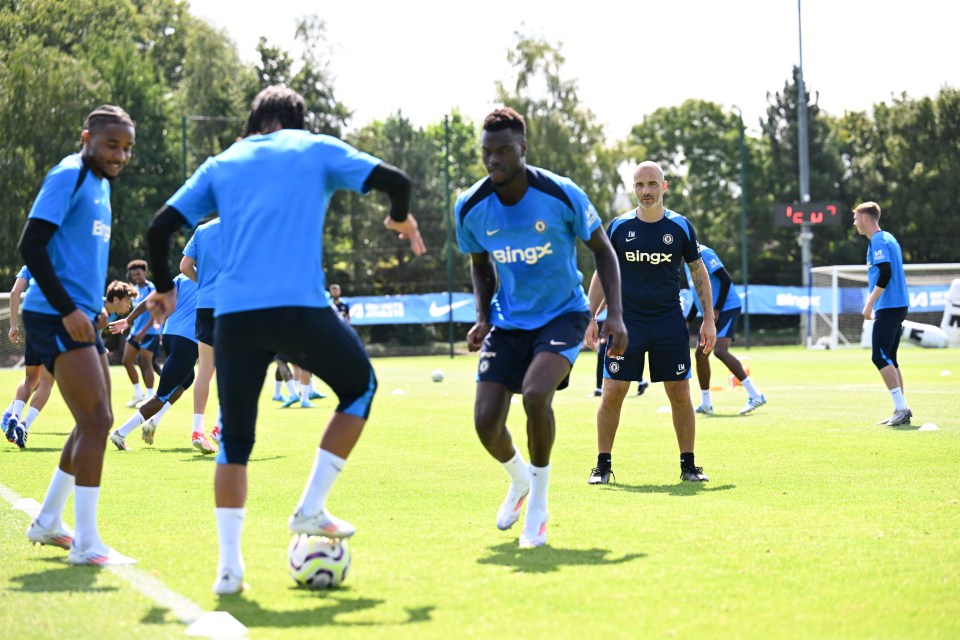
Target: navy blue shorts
{"x": 507, "y": 353}
{"x": 49, "y": 338}
{"x": 727, "y": 323}
{"x": 664, "y": 340}
{"x": 150, "y": 342}
{"x": 30, "y": 357}
{"x": 316, "y": 339}
{"x": 205, "y": 325}
{"x": 178, "y": 367}
{"x": 887, "y": 327}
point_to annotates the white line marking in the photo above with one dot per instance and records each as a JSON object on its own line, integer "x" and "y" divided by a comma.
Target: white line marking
{"x": 216, "y": 624}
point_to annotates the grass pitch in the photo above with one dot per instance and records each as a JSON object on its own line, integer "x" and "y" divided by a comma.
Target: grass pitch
{"x": 816, "y": 522}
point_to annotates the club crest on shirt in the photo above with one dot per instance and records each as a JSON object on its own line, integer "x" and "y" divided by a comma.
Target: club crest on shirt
{"x": 667, "y": 238}
{"x": 540, "y": 226}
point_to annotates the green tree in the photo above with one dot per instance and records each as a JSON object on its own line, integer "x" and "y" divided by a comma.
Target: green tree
{"x": 563, "y": 136}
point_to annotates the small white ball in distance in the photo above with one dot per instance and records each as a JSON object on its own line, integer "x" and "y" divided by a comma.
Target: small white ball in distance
{"x": 437, "y": 375}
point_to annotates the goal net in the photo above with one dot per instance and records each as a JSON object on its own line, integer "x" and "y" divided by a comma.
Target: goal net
{"x": 11, "y": 354}
{"x": 842, "y": 290}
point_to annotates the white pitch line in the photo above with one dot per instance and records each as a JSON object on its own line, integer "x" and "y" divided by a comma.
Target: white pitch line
{"x": 185, "y": 610}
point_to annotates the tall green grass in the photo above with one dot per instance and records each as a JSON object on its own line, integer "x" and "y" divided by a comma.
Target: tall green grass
{"x": 816, "y": 523}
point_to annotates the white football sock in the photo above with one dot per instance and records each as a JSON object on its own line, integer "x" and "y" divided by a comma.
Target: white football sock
{"x": 749, "y": 386}
{"x": 61, "y": 485}
{"x": 291, "y": 388}
{"x": 539, "y": 482}
{"x": 137, "y": 391}
{"x": 28, "y": 419}
{"x": 229, "y": 531}
{"x": 705, "y": 398}
{"x": 198, "y": 423}
{"x": 277, "y": 387}
{"x": 517, "y": 468}
{"x": 17, "y": 409}
{"x": 85, "y": 502}
{"x": 899, "y": 401}
{"x": 135, "y": 421}
{"x": 326, "y": 469}
{"x": 158, "y": 416}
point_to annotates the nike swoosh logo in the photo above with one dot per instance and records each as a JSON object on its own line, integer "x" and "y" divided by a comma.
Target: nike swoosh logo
{"x": 557, "y": 344}
{"x": 631, "y": 239}
{"x": 490, "y": 233}
{"x": 441, "y": 310}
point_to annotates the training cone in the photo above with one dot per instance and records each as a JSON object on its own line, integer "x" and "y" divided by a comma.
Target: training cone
{"x": 734, "y": 383}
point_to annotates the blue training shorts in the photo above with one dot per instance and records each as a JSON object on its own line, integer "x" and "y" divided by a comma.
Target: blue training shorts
{"x": 507, "y": 353}
{"x": 49, "y": 338}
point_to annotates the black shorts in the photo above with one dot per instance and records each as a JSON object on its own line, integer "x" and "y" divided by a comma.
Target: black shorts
{"x": 727, "y": 323}
{"x": 150, "y": 342}
{"x": 507, "y": 353}
{"x": 205, "y": 325}
{"x": 30, "y": 357}
{"x": 887, "y": 327}
{"x": 177, "y": 370}
{"x": 49, "y": 338}
{"x": 313, "y": 338}
{"x": 664, "y": 339}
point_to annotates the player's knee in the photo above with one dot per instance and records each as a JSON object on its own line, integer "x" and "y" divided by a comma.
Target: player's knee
{"x": 536, "y": 401}
{"x": 236, "y": 449}
{"x": 880, "y": 361}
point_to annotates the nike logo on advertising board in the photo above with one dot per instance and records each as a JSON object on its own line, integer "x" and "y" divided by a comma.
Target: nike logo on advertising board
{"x": 437, "y": 310}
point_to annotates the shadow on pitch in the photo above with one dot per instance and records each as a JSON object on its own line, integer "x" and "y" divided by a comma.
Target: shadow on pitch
{"x": 548, "y": 559}
{"x": 679, "y": 489}
{"x": 61, "y": 578}
{"x": 334, "y": 609}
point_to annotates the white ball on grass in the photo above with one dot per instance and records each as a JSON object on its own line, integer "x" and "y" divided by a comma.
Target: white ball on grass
{"x": 437, "y": 375}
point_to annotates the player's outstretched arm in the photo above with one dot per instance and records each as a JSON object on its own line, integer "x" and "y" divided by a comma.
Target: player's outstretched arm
{"x": 608, "y": 273}
{"x": 396, "y": 184}
{"x": 165, "y": 223}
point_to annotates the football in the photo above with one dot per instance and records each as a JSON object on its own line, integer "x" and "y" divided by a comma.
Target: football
{"x": 318, "y": 562}
{"x": 437, "y": 375}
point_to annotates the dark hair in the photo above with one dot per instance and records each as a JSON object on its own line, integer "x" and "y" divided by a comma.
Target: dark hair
{"x": 276, "y": 104}
{"x": 505, "y": 118}
{"x": 137, "y": 264}
{"x": 117, "y": 290}
{"x": 107, "y": 114}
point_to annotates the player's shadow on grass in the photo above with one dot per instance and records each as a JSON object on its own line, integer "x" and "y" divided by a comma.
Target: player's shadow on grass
{"x": 29, "y": 449}
{"x": 335, "y": 606}
{"x": 679, "y": 489}
{"x": 548, "y": 559}
{"x": 62, "y": 578}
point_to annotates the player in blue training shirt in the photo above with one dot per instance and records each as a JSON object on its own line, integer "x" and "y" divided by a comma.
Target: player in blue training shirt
{"x": 179, "y": 342}
{"x": 37, "y": 381}
{"x": 887, "y": 304}
{"x": 66, "y": 245}
{"x": 277, "y": 178}
{"x": 520, "y": 225}
{"x": 144, "y": 338}
{"x": 651, "y": 243}
{"x": 201, "y": 263}
{"x": 726, "y": 310}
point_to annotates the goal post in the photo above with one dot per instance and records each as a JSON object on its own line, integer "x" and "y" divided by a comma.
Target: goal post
{"x": 837, "y": 320}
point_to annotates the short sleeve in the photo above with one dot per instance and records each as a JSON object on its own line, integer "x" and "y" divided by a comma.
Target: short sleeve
{"x": 53, "y": 201}
{"x": 346, "y": 167}
{"x": 584, "y": 220}
{"x": 195, "y": 199}
{"x": 191, "y": 250}
{"x": 691, "y": 252}
{"x": 466, "y": 240}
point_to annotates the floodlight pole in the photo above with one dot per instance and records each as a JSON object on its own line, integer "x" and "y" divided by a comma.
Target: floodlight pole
{"x": 806, "y": 235}
{"x": 448, "y": 219}
{"x": 743, "y": 230}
